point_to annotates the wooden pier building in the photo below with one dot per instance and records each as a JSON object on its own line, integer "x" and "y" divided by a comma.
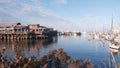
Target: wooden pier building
{"x": 21, "y": 32}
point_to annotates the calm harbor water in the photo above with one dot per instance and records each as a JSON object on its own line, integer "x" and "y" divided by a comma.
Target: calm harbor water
{"x": 82, "y": 47}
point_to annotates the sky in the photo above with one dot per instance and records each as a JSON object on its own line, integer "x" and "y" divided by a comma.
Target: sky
{"x": 62, "y": 15}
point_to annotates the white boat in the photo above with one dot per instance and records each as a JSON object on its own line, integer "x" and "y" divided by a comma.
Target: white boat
{"x": 97, "y": 37}
{"x": 114, "y": 50}
{"x": 114, "y": 46}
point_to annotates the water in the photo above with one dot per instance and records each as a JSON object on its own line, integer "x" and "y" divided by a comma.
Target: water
{"x": 81, "y": 47}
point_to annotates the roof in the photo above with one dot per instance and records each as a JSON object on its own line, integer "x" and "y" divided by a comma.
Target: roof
{"x": 15, "y": 24}
{"x": 20, "y": 27}
{"x": 33, "y": 25}
{"x": 5, "y": 25}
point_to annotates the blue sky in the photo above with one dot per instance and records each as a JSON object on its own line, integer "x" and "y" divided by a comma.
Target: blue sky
{"x": 63, "y": 15}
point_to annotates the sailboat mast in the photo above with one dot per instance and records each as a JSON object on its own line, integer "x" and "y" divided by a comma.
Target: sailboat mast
{"x": 112, "y": 23}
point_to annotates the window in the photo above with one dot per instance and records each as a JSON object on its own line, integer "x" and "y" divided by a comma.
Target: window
{"x": 36, "y": 29}
{"x": 40, "y": 29}
{"x": 33, "y": 30}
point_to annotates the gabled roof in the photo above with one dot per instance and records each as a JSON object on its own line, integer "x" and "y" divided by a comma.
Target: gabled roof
{"x": 16, "y": 24}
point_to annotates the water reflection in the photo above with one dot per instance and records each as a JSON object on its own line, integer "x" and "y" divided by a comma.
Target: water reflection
{"x": 113, "y": 58}
{"x": 82, "y": 47}
{"x": 26, "y": 48}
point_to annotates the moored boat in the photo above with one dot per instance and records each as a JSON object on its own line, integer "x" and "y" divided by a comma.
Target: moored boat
{"x": 114, "y": 46}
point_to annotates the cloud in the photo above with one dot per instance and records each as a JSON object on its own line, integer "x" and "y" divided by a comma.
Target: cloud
{"x": 32, "y": 11}
{"x": 5, "y": 1}
{"x": 60, "y": 2}
{"x": 91, "y": 22}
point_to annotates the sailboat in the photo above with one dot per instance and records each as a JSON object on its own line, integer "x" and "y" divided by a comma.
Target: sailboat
{"x": 111, "y": 44}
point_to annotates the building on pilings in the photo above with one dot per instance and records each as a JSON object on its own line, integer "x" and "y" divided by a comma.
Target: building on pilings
{"x": 31, "y": 31}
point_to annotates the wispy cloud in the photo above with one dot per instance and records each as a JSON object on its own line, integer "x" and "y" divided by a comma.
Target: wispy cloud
{"x": 60, "y": 2}
{"x": 5, "y": 1}
{"x": 93, "y": 23}
{"x": 32, "y": 12}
